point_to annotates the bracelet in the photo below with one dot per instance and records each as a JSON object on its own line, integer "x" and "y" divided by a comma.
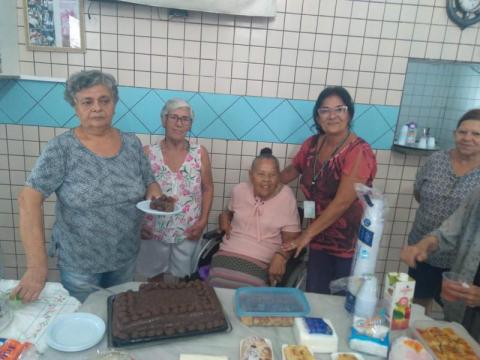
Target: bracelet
{"x": 281, "y": 254}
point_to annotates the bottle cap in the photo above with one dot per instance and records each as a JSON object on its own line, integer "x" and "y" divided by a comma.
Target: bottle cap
{"x": 402, "y": 277}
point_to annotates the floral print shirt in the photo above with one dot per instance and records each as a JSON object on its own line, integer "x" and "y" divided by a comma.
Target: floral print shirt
{"x": 185, "y": 185}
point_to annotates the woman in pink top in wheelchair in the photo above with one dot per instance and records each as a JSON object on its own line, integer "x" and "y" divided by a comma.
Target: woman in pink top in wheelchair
{"x": 261, "y": 216}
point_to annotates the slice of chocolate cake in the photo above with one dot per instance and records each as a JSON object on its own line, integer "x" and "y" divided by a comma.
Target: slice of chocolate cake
{"x": 163, "y": 203}
{"x": 159, "y": 310}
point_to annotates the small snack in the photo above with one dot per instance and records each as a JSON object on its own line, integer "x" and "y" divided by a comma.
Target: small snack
{"x": 11, "y": 349}
{"x": 163, "y": 203}
{"x": 446, "y": 344}
{"x": 255, "y": 347}
{"x": 296, "y": 352}
{"x": 316, "y": 333}
{"x": 267, "y": 320}
{"x": 405, "y": 348}
{"x": 201, "y": 357}
{"x": 346, "y": 356}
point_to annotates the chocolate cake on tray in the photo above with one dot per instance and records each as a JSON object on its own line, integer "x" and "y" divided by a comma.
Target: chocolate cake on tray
{"x": 159, "y": 311}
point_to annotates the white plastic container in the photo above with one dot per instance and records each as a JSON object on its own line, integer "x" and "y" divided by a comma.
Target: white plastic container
{"x": 431, "y": 142}
{"x": 366, "y": 299}
{"x": 422, "y": 143}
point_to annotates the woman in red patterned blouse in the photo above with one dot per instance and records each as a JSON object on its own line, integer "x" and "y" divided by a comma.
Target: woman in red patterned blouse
{"x": 330, "y": 163}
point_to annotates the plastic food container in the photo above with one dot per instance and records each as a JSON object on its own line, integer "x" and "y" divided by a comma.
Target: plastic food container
{"x": 113, "y": 355}
{"x": 256, "y": 347}
{"x": 301, "y": 352}
{"x": 266, "y": 306}
{"x": 346, "y": 356}
{"x": 456, "y": 327}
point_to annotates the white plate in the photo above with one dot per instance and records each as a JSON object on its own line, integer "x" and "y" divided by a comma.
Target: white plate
{"x": 145, "y": 207}
{"x": 75, "y": 332}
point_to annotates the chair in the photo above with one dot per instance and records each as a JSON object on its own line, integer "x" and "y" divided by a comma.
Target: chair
{"x": 296, "y": 269}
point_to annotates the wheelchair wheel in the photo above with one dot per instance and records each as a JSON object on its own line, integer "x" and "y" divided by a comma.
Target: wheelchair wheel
{"x": 297, "y": 278}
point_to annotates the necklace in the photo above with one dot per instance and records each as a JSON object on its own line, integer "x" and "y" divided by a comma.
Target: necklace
{"x": 316, "y": 174}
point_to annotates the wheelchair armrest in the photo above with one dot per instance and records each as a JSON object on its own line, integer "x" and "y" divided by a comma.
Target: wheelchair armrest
{"x": 212, "y": 234}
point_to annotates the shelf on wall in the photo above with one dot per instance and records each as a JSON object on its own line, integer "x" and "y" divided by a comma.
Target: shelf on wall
{"x": 413, "y": 150}
{"x": 9, "y": 76}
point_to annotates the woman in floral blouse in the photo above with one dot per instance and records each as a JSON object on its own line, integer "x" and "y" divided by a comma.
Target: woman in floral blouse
{"x": 183, "y": 171}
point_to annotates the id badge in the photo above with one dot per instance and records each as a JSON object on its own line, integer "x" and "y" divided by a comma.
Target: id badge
{"x": 309, "y": 209}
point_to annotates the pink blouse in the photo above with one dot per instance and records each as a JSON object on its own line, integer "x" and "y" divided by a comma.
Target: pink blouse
{"x": 257, "y": 225}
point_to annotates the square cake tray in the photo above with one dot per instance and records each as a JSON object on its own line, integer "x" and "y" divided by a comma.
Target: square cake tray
{"x": 116, "y": 342}
{"x": 271, "y": 302}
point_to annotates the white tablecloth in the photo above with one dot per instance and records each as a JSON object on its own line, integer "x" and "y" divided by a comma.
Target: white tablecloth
{"x": 327, "y": 306}
{"x": 30, "y": 321}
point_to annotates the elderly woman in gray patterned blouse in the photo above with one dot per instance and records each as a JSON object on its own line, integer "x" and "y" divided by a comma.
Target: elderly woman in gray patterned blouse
{"x": 443, "y": 182}
{"x": 98, "y": 174}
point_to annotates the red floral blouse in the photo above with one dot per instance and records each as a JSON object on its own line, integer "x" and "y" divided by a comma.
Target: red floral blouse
{"x": 355, "y": 159}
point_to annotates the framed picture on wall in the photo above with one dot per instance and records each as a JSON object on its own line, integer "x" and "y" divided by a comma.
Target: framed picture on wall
{"x": 56, "y": 25}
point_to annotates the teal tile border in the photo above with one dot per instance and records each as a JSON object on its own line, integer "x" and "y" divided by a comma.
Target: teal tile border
{"x": 219, "y": 116}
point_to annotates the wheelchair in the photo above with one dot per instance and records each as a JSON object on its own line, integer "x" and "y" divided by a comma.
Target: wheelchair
{"x": 296, "y": 268}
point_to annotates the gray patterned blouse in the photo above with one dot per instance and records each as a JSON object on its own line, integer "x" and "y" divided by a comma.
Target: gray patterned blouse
{"x": 97, "y": 225}
{"x": 441, "y": 192}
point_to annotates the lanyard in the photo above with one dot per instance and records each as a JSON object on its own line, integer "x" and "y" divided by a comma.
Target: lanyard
{"x": 316, "y": 174}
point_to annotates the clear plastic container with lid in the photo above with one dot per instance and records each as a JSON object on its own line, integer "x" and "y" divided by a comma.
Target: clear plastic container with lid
{"x": 266, "y": 306}
{"x": 267, "y": 301}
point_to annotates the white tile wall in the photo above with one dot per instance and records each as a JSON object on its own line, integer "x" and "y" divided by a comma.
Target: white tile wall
{"x": 324, "y": 42}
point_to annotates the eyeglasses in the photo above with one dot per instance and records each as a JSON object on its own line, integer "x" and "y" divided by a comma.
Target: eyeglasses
{"x": 183, "y": 119}
{"x": 89, "y": 103}
{"x": 460, "y": 132}
{"x": 339, "y": 110}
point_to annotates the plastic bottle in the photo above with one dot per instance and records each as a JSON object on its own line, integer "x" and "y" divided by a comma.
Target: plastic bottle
{"x": 366, "y": 299}
{"x": 402, "y": 139}
{"x": 422, "y": 143}
{"x": 412, "y": 134}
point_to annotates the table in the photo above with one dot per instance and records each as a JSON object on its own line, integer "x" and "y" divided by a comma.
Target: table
{"x": 327, "y": 306}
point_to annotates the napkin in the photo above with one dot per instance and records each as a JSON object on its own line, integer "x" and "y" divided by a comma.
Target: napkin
{"x": 30, "y": 321}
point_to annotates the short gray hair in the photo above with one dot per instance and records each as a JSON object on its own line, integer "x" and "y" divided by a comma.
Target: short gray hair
{"x": 86, "y": 79}
{"x": 174, "y": 104}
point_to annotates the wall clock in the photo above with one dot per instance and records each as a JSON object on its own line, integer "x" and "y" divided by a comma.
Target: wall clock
{"x": 463, "y": 12}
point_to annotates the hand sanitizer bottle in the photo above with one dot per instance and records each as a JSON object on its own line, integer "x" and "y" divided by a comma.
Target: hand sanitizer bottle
{"x": 412, "y": 134}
